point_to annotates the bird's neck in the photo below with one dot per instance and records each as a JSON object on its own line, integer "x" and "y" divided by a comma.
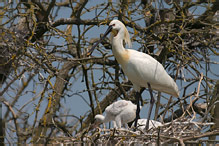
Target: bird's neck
{"x": 120, "y": 53}
{"x": 103, "y": 119}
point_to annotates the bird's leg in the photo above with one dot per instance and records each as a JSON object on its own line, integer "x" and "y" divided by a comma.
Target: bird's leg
{"x": 118, "y": 122}
{"x": 138, "y": 94}
{"x": 114, "y": 124}
{"x": 151, "y": 106}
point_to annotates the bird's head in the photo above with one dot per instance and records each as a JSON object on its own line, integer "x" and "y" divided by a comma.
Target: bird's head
{"x": 98, "y": 119}
{"x": 119, "y": 27}
{"x": 115, "y": 27}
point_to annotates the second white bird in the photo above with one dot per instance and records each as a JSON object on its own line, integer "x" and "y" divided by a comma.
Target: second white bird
{"x": 120, "y": 112}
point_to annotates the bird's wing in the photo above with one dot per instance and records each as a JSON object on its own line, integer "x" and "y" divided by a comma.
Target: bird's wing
{"x": 117, "y": 107}
{"x": 146, "y": 67}
{"x": 142, "y": 69}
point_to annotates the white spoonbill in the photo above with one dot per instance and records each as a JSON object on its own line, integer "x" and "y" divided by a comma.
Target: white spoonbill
{"x": 120, "y": 112}
{"x": 142, "y": 69}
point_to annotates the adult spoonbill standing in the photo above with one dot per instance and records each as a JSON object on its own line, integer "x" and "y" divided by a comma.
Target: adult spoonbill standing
{"x": 120, "y": 112}
{"x": 142, "y": 69}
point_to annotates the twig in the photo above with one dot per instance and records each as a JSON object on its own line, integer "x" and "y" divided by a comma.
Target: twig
{"x": 14, "y": 118}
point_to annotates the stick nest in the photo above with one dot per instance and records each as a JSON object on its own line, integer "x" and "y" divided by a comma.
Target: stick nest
{"x": 181, "y": 131}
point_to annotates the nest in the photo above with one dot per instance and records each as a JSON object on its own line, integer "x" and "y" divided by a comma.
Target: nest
{"x": 181, "y": 131}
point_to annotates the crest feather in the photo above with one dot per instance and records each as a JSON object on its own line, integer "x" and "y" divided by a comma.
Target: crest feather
{"x": 127, "y": 37}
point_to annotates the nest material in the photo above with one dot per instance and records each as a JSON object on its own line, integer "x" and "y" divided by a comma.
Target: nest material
{"x": 178, "y": 131}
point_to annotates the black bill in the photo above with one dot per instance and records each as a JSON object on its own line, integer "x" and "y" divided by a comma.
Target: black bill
{"x": 101, "y": 39}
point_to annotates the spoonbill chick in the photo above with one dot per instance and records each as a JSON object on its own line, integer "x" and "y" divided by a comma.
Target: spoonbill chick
{"x": 142, "y": 69}
{"x": 120, "y": 112}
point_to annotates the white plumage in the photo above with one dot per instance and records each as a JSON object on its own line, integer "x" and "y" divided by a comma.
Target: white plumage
{"x": 120, "y": 112}
{"x": 152, "y": 124}
{"x": 142, "y": 69}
